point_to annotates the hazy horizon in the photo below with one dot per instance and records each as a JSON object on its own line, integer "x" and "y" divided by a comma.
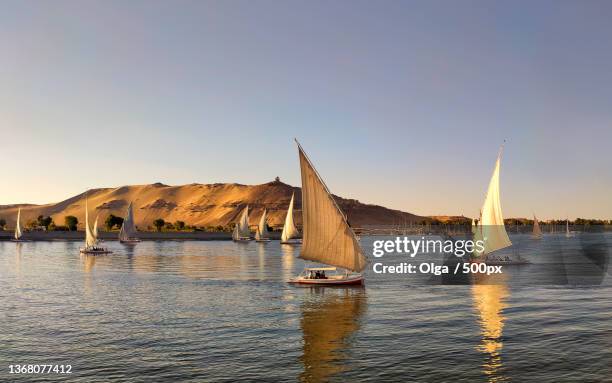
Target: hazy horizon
{"x": 399, "y": 104}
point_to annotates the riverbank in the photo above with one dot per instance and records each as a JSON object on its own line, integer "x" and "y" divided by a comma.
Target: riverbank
{"x": 112, "y": 236}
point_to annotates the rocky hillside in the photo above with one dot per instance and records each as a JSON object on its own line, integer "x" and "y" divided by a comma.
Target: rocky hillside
{"x": 199, "y": 205}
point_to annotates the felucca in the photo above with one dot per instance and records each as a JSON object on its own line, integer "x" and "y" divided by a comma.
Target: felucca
{"x": 290, "y": 234}
{"x": 127, "y": 234}
{"x": 18, "y": 232}
{"x": 327, "y": 237}
{"x": 241, "y": 231}
{"x": 91, "y": 237}
{"x": 262, "y": 234}
{"x": 537, "y": 232}
{"x": 491, "y": 229}
{"x": 567, "y": 230}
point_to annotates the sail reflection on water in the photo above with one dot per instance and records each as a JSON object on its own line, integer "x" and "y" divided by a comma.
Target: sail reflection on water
{"x": 489, "y": 296}
{"x": 329, "y": 322}
{"x": 288, "y": 260}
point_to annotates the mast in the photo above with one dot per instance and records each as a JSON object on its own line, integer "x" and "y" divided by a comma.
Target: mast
{"x": 18, "y": 233}
{"x": 327, "y": 237}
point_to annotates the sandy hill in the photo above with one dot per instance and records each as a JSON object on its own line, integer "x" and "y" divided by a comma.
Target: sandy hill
{"x": 198, "y": 205}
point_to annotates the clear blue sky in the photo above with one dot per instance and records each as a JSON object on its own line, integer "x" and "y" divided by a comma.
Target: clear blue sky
{"x": 399, "y": 103}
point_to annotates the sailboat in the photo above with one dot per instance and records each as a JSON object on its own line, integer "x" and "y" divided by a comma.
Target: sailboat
{"x": 537, "y": 232}
{"x": 327, "y": 236}
{"x": 474, "y": 228}
{"x": 91, "y": 237}
{"x": 491, "y": 228}
{"x": 568, "y": 234}
{"x": 241, "y": 231}
{"x": 262, "y": 234}
{"x": 18, "y": 232}
{"x": 290, "y": 234}
{"x": 127, "y": 234}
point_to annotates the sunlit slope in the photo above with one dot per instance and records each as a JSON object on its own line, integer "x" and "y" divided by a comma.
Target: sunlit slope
{"x": 198, "y": 205}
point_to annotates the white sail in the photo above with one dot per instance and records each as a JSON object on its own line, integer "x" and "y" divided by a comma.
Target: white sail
{"x": 95, "y": 229}
{"x": 243, "y": 224}
{"x": 262, "y": 229}
{"x": 537, "y": 232}
{"x": 491, "y": 224}
{"x": 289, "y": 229}
{"x": 18, "y": 232}
{"x": 128, "y": 228}
{"x": 327, "y": 237}
{"x": 235, "y": 233}
{"x": 90, "y": 238}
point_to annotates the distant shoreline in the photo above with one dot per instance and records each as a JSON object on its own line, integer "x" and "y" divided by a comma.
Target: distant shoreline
{"x": 113, "y": 236}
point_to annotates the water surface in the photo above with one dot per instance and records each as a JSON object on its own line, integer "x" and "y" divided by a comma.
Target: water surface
{"x": 220, "y": 311}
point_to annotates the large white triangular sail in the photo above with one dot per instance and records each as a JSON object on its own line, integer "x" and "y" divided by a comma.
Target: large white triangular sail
{"x": 327, "y": 237}
{"x": 95, "y": 228}
{"x": 537, "y": 232}
{"x": 242, "y": 228}
{"x": 289, "y": 229}
{"x": 128, "y": 228}
{"x": 491, "y": 227}
{"x": 90, "y": 238}
{"x": 262, "y": 228}
{"x": 18, "y": 232}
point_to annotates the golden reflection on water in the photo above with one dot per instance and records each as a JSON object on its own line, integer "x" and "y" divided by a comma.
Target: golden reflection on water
{"x": 89, "y": 262}
{"x": 289, "y": 253}
{"x": 489, "y": 295}
{"x": 328, "y": 323}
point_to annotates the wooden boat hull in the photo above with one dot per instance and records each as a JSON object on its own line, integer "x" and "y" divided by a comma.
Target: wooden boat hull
{"x": 130, "y": 241}
{"x": 20, "y": 240}
{"x": 243, "y": 240}
{"x": 292, "y": 242}
{"x": 95, "y": 251}
{"x": 263, "y": 240}
{"x": 351, "y": 280}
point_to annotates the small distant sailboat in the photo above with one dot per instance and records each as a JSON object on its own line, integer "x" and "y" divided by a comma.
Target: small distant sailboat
{"x": 568, "y": 233}
{"x": 491, "y": 228}
{"x": 537, "y": 232}
{"x": 127, "y": 234}
{"x": 91, "y": 237}
{"x": 18, "y": 232}
{"x": 241, "y": 231}
{"x": 473, "y": 226}
{"x": 290, "y": 234}
{"x": 262, "y": 234}
{"x": 328, "y": 238}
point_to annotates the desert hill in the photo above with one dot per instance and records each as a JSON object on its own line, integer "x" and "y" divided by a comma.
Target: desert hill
{"x": 200, "y": 205}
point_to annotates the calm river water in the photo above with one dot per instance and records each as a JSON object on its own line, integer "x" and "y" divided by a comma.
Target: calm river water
{"x": 221, "y": 311}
